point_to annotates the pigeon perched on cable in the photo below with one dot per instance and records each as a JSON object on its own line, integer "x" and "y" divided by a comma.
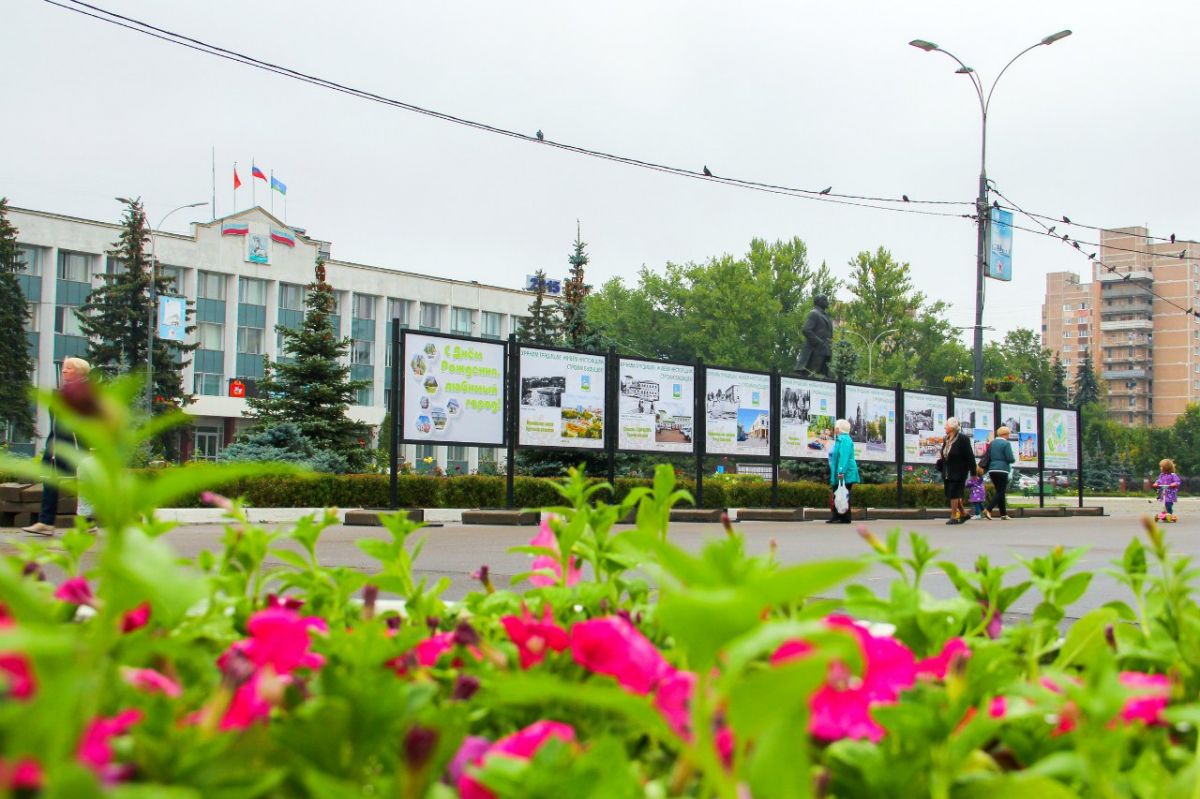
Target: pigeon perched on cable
{"x": 1065, "y": 237}
{"x": 1066, "y": 219}
{"x": 995, "y": 203}
{"x": 826, "y": 190}
{"x": 707, "y": 172}
{"x": 1172, "y": 238}
{"x": 540, "y": 135}
{"x": 1182, "y": 254}
{"x": 1076, "y": 245}
{"x": 1051, "y": 229}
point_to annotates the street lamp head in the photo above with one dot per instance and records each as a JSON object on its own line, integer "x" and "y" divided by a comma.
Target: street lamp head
{"x": 195, "y": 205}
{"x": 964, "y": 71}
{"x": 1054, "y": 37}
{"x": 928, "y": 47}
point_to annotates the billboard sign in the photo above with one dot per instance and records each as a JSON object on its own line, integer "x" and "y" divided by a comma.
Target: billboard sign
{"x": 561, "y": 399}
{"x": 453, "y": 390}
{"x": 655, "y": 406}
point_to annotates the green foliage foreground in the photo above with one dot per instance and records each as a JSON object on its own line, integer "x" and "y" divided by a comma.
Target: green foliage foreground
{"x": 619, "y": 666}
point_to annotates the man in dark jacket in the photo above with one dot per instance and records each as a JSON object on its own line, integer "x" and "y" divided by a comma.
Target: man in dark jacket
{"x": 956, "y": 465}
{"x": 74, "y": 378}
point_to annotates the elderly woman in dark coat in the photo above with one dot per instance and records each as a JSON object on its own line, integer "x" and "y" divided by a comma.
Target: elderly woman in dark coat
{"x": 956, "y": 464}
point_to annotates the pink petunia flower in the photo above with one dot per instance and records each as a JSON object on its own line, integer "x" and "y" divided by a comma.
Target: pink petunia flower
{"x": 673, "y": 698}
{"x": 545, "y": 538}
{"x": 995, "y": 624}
{"x": 151, "y": 682}
{"x": 136, "y": 619}
{"x": 610, "y": 645}
{"x": 937, "y": 666}
{"x": 521, "y": 745}
{"x": 248, "y": 706}
{"x": 75, "y": 591}
{"x": 16, "y": 669}
{"x": 21, "y": 775}
{"x": 95, "y": 748}
{"x": 533, "y": 637}
{"x": 1149, "y": 699}
{"x": 280, "y": 638}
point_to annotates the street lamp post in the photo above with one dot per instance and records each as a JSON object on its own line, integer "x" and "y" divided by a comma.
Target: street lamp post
{"x": 870, "y": 347}
{"x": 154, "y": 308}
{"x": 981, "y": 203}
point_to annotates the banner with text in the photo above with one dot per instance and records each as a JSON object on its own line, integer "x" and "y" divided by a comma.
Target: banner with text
{"x": 975, "y": 420}
{"x": 454, "y": 392}
{"x": 1062, "y": 439}
{"x": 1000, "y": 236}
{"x": 562, "y": 399}
{"x": 737, "y": 413}
{"x": 1021, "y": 421}
{"x": 872, "y": 416}
{"x": 656, "y": 405}
{"x": 807, "y": 411}
{"x": 924, "y": 426}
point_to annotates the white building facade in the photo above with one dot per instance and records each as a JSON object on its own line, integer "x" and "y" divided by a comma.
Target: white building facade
{"x": 247, "y": 273}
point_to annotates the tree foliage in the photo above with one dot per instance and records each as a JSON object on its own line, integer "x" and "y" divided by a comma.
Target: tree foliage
{"x": 575, "y": 331}
{"x": 284, "y": 443}
{"x": 1087, "y": 387}
{"x": 313, "y": 389}
{"x": 16, "y": 365}
{"x": 543, "y": 325}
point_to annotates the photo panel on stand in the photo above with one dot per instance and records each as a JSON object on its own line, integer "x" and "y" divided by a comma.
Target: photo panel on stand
{"x": 975, "y": 420}
{"x": 1021, "y": 421}
{"x": 561, "y": 398}
{"x": 737, "y": 413}
{"x": 924, "y": 426}
{"x": 452, "y": 390}
{"x": 807, "y": 411}
{"x": 871, "y": 412}
{"x": 655, "y": 406}
{"x": 1061, "y": 446}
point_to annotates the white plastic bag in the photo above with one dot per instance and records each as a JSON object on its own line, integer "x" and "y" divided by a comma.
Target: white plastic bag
{"x": 841, "y": 497}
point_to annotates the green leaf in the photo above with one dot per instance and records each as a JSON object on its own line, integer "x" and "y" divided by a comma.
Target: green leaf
{"x": 704, "y": 620}
{"x": 776, "y": 694}
{"x": 291, "y": 558}
{"x": 1073, "y": 588}
{"x": 794, "y": 583}
{"x": 1015, "y": 786}
{"x": 1085, "y": 639}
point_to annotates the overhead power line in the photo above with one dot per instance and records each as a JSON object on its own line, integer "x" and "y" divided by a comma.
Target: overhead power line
{"x": 901, "y": 204}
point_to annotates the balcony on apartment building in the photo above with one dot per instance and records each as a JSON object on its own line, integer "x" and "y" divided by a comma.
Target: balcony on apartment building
{"x": 1139, "y": 276}
{"x": 1123, "y": 374}
{"x": 1113, "y": 325}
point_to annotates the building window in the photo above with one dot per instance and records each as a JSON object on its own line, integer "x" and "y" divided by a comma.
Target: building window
{"x": 207, "y": 384}
{"x": 398, "y": 309}
{"x": 74, "y": 266}
{"x": 1066, "y": 361}
{"x": 362, "y": 353}
{"x": 365, "y": 396}
{"x": 1068, "y": 307}
{"x": 250, "y": 340}
{"x": 461, "y": 320}
{"x": 291, "y": 297}
{"x": 1066, "y": 334}
{"x": 489, "y": 324}
{"x": 210, "y": 336}
{"x": 29, "y": 259}
{"x": 31, "y": 321}
{"x": 252, "y": 291}
{"x": 208, "y": 443}
{"x": 66, "y": 321}
{"x": 364, "y": 306}
{"x": 431, "y": 316}
{"x": 173, "y": 276}
{"x": 210, "y": 286}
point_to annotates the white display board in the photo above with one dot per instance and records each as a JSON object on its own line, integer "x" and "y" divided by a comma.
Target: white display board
{"x": 737, "y": 413}
{"x": 807, "y": 411}
{"x": 872, "y": 416}
{"x": 1021, "y": 420}
{"x": 562, "y": 399}
{"x": 656, "y": 406}
{"x": 924, "y": 426}
{"x": 1061, "y": 447}
{"x": 453, "y": 390}
{"x": 975, "y": 420}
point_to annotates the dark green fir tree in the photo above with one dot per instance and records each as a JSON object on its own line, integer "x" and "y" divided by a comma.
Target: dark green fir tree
{"x": 572, "y": 309}
{"x": 313, "y": 389}
{"x": 16, "y": 365}
{"x": 117, "y": 313}
{"x": 844, "y": 363}
{"x": 1087, "y": 388}
{"x": 542, "y": 324}
{"x": 1059, "y": 395}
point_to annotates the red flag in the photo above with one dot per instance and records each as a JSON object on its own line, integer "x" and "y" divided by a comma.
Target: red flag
{"x": 237, "y": 182}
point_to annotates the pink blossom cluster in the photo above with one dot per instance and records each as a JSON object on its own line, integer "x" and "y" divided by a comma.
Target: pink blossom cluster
{"x": 521, "y": 745}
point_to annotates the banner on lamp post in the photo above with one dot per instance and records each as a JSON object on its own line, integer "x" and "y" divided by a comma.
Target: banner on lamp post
{"x": 172, "y": 318}
{"x": 999, "y": 265}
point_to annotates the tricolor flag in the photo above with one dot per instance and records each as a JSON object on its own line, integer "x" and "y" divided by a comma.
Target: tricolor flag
{"x": 282, "y": 236}
{"x": 237, "y": 182}
{"x": 278, "y": 185}
{"x": 235, "y": 228}
{"x": 255, "y": 172}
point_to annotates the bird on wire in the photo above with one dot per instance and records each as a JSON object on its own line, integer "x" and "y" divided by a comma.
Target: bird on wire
{"x": 540, "y": 136}
{"x": 1052, "y": 227}
{"x": 904, "y": 197}
{"x": 707, "y": 172}
{"x": 1182, "y": 254}
{"x": 1172, "y": 238}
{"x": 1066, "y": 219}
{"x": 826, "y": 190}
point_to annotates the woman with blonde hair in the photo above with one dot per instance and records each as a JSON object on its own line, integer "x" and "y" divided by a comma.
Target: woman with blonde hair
{"x": 843, "y": 468}
{"x": 956, "y": 464}
{"x": 999, "y": 458}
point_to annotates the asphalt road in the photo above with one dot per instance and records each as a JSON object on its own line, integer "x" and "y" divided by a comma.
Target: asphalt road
{"x": 455, "y": 551}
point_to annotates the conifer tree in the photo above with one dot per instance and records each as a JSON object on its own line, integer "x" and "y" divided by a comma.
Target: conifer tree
{"x": 576, "y": 333}
{"x": 16, "y": 365}
{"x": 313, "y": 390}
{"x": 1059, "y": 395}
{"x": 1087, "y": 388}
{"x": 542, "y": 324}
{"x": 116, "y": 314}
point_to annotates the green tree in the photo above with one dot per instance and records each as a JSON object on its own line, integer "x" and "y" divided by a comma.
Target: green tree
{"x": 16, "y": 365}
{"x": 313, "y": 390}
{"x": 542, "y": 325}
{"x": 1087, "y": 387}
{"x": 844, "y": 364}
{"x": 1059, "y": 395}
{"x": 117, "y": 313}
{"x": 571, "y": 307}
{"x": 1184, "y": 443}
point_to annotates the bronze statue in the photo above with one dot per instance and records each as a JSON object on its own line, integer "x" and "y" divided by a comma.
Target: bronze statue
{"x": 818, "y": 340}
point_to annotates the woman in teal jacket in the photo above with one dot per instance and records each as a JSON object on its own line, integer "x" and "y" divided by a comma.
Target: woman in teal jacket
{"x": 842, "y": 467}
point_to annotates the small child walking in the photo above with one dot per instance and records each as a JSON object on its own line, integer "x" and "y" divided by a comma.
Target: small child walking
{"x": 1168, "y": 484}
{"x": 976, "y": 494}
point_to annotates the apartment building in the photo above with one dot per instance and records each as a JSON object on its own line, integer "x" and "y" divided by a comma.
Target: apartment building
{"x": 1132, "y": 317}
{"x": 246, "y": 274}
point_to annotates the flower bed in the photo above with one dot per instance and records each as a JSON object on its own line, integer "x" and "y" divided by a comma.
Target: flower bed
{"x": 619, "y": 666}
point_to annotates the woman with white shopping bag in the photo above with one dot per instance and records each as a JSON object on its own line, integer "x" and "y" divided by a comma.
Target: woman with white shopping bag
{"x": 843, "y": 473}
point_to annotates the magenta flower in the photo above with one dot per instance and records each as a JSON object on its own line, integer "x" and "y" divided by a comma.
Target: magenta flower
{"x": 75, "y": 591}
{"x": 16, "y": 670}
{"x": 215, "y": 500}
{"x": 136, "y": 619}
{"x": 1149, "y": 695}
{"x": 995, "y": 624}
{"x": 280, "y": 638}
{"x": 545, "y": 538}
{"x": 95, "y": 748}
{"x": 534, "y": 637}
{"x": 610, "y": 645}
{"x": 248, "y": 706}
{"x": 673, "y": 698}
{"x": 151, "y": 682}
{"x": 429, "y": 652}
{"x": 471, "y": 751}
{"x": 936, "y": 666}
{"x": 790, "y": 650}
{"x": 286, "y": 602}
{"x": 521, "y": 745}
{"x": 22, "y": 775}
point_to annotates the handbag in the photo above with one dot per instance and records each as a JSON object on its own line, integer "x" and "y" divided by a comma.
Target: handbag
{"x": 985, "y": 460}
{"x": 841, "y": 497}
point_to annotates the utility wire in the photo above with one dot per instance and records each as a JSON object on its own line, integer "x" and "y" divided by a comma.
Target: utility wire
{"x": 826, "y": 195}
{"x": 1052, "y": 230}
{"x": 1062, "y": 220}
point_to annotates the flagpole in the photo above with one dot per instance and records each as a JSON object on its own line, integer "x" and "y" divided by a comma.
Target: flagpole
{"x": 234, "y": 189}
{"x": 271, "y": 188}
{"x": 253, "y": 188}
{"x": 214, "y": 182}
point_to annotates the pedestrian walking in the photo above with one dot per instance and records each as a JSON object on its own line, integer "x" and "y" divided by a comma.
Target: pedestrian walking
{"x": 976, "y": 494}
{"x": 956, "y": 464}
{"x": 998, "y": 461}
{"x": 843, "y": 472}
{"x": 74, "y": 387}
{"x": 1168, "y": 487}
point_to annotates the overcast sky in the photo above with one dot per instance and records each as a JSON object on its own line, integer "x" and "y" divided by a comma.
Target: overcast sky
{"x": 1100, "y": 126}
